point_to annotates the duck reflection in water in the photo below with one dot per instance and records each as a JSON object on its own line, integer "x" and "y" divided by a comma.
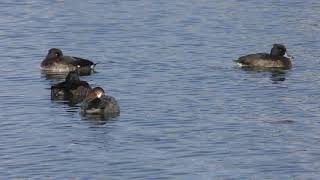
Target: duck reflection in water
{"x": 61, "y": 75}
{"x": 99, "y": 119}
{"x": 276, "y": 74}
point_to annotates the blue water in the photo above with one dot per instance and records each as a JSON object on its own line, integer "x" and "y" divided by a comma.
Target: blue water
{"x": 187, "y": 112}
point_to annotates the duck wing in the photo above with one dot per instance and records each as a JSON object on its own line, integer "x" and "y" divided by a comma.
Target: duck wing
{"x": 82, "y": 62}
{"x": 60, "y": 86}
{"x": 58, "y": 89}
{"x": 111, "y": 105}
{"x": 80, "y": 89}
{"x": 248, "y": 59}
{"x": 95, "y": 103}
{"x": 76, "y": 84}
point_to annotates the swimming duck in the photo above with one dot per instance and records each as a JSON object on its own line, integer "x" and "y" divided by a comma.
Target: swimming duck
{"x": 97, "y": 102}
{"x": 278, "y": 58}
{"x": 71, "y": 89}
{"x": 56, "y": 62}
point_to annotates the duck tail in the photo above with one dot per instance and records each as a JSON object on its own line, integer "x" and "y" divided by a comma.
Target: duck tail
{"x": 236, "y": 60}
{"x": 93, "y": 66}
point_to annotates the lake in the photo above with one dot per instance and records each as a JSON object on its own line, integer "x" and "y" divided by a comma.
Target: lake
{"x": 187, "y": 110}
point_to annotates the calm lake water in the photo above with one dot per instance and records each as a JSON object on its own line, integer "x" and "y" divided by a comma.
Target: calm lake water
{"x": 187, "y": 112}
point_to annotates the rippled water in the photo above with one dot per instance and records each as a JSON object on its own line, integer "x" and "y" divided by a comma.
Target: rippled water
{"x": 187, "y": 112}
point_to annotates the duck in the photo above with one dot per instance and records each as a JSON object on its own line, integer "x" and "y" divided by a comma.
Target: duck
{"x": 98, "y": 103}
{"x": 72, "y": 89}
{"x": 56, "y": 62}
{"x": 277, "y": 58}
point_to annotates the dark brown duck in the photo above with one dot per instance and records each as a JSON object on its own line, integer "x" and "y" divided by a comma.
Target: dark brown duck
{"x": 72, "y": 89}
{"x": 278, "y": 58}
{"x": 97, "y": 102}
{"x": 56, "y": 62}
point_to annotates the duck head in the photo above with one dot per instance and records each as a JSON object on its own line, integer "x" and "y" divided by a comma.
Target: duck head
{"x": 54, "y": 53}
{"x": 280, "y": 50}
{"x": 96, "y": 92}
{"x": 73, "y": 76}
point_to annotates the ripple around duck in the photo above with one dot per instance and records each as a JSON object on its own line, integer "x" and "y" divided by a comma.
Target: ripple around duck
{"x": 187, "y": 111}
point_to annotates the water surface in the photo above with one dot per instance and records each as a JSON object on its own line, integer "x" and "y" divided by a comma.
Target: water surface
{"x": 187, "y": 112}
